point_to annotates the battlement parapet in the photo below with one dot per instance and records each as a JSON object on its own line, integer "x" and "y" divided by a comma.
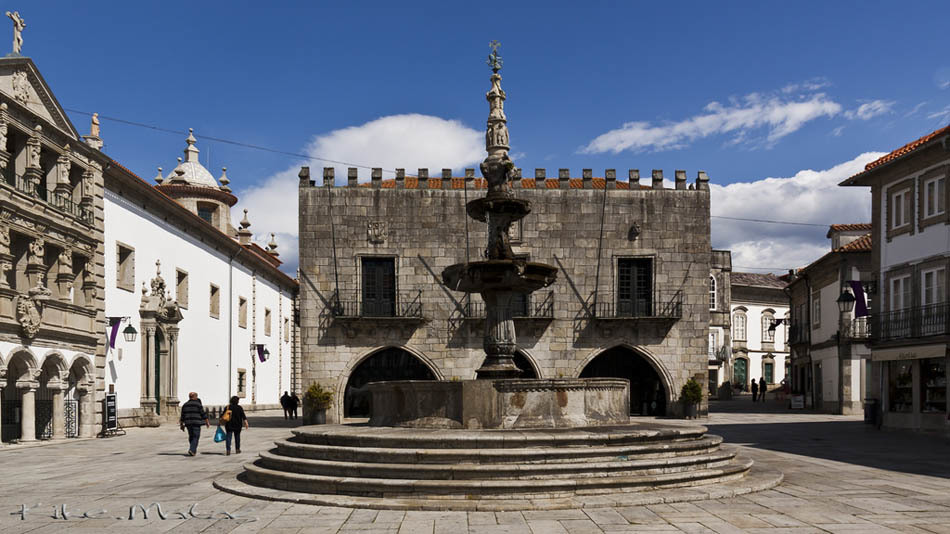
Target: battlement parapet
{"x": 421, "y": 180}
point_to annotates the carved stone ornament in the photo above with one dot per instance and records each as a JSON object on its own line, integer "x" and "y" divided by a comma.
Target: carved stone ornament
{"x": 21, "y": 87}
{"x": 376, "y": 232}
{"x": 66, "y": 261}
{"x": 4, "y": 240}
{"x": 158, "y": 289}
{"x": 37, "y": 251}
{"x": 29, "y": 311}
{"x": 3, "y": 126}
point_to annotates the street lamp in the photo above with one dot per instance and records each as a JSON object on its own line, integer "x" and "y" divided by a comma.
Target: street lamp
{"x": 846, "y": 302}
{"x": 129, "y": 333}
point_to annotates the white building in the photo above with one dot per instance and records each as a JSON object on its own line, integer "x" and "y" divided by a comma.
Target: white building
{"x": 213, "y": 311}
{"x": 759, "y": 342}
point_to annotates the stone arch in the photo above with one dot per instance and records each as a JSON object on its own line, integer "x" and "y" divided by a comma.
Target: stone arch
{"x": 24, "y": 356}
{"x": 527, "y": 360}
{"x": 354, "y": 366}
{"x": 84, "y": 361}
{"x": 22, "y": 371}
{"x": 57, "y": 358}
{"x": 639, "y": 389}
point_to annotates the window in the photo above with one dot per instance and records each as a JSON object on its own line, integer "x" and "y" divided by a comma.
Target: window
{"x": 712, "y": 292}
{"x": 241, "y": 382}
{"x": 739, "y": 325}
{"x": 933, "y": 385}
{"x": 768, "y": 371}
{"x": 900, "y": 386}
{"x": 125, "y": 267}
{"x": 266, "y": 322}
{"x": 740, "y": 373}
{"x": 787, "y": 320}
{"x": 816, "y": 308}
{"x": 713, "y": 344}
{"x": 242, "y": 312}
{"x": 932, "y": 286}
{"x": 935, "y": 197}
{"x": 379, "y": 287}
{"x": 207, "y": 212}
{"x": 900, "y": 212}
{"x": 768, "y": 332}
{"x": 286, "y": 330}
{"x": 181, "y": 288}
{"x": 634, "y": 287}
{"x": 900, "y": 293}
{"x": 214, "y": 309}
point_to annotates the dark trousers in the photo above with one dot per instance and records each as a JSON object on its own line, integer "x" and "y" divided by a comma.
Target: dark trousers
{"x": 286, "y": 413}
{"x": 755, "y": 394}
{"x": 237, "y": 439}
{"x": 194, "y": 432}
{"x": 293, "y": 412}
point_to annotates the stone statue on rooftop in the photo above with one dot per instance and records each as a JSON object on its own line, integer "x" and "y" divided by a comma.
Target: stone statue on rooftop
{"x": 18, "y": 25}
{"x": 94, "y": 126}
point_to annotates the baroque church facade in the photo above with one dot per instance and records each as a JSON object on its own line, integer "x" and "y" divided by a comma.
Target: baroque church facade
{"x": 88, "y": 250}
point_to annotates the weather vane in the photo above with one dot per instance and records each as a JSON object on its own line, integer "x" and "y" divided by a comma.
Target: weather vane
{"x": 494, "y": 60}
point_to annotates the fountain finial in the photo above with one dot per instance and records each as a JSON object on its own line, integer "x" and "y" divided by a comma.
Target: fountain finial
{"x": 494, "y": 60}
{"x": 497, "y": 165}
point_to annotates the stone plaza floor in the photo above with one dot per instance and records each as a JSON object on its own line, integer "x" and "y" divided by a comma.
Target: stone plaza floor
{"x": 840, "y": 476}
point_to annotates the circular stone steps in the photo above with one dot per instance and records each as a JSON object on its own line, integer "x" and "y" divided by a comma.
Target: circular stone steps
{"x": 405, "y": 468}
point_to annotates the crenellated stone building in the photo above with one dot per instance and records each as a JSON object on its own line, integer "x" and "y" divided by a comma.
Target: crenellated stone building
{"x": 51, "y": 273}
{"x": 631, "y": 300}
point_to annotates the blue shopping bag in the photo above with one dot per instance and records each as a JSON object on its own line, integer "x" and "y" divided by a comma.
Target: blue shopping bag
{"x": 219, "y": 435}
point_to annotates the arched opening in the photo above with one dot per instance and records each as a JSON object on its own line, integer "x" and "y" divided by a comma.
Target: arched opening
{"x": 647, "y": 391}
{"x": 11, "y": 408}
{"x": 524, "y": 364}
{"x": 391, "y": 363}
{"x": 46, "y": 395}
{"x": 73, "y": 409}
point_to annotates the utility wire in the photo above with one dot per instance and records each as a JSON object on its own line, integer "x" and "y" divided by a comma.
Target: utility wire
{"x": 348, "y": 164}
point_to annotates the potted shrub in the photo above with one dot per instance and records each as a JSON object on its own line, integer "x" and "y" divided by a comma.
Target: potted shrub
{"x": 315, "y": 403}
{"x": 691, "y": 395}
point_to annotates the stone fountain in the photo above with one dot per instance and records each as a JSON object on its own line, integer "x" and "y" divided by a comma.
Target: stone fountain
{"x": 498, "y": 442}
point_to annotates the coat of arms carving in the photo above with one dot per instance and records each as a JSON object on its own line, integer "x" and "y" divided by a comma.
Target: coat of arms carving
{"x": 376, "y": 232}
{"x": 29, "y": 310}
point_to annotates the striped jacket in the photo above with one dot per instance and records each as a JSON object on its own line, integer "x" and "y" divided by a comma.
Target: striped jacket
{"x": 193, "y": 413}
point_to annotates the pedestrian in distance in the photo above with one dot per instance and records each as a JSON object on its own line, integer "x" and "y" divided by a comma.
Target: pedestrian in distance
{"x": 234, "y": 420}
{"x": 294, "y": 403}
{"x": 762, "y": 388}
{"x": 755, "y": 390}
{"x": 193, "y": 415}
{"x": 285, "y": 404}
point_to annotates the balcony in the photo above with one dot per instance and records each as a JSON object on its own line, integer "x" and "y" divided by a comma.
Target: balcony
{"x": 922, "y": 321}
{"x": 799, "y": 333}
{"x": 57, "y": 201}
{"x": 533, "y": 307}
{"x": 351, "y": 305}
{"x": 859, "y": 328}
{"x": 662, "y": 306}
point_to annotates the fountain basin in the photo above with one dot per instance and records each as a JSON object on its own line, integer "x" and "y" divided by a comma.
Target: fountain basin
{"x": 513, "y": 208}
{"x": 504, "y": 275}
{"x": 501, "y": 404}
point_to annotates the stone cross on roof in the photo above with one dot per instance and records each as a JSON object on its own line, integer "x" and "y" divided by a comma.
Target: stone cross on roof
{"x": 18, "y": 25}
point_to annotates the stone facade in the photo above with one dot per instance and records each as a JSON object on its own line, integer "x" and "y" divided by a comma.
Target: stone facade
{"x": 720, "y": 330}
{"x": 419, "y": 224}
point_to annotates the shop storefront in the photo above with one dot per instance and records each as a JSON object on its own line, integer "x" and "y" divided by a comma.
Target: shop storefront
{"x": 914, "y": 384}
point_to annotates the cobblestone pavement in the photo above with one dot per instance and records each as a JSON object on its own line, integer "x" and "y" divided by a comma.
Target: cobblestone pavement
{"x": 840, "y": 476}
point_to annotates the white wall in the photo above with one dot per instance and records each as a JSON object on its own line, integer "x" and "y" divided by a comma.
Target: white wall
{"x": 754, "y": 339}
{"x": 203, "y": 340}
{"x": 930, "y": 241}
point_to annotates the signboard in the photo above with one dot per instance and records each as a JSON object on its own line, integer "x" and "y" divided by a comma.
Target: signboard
{"x": 798, "y": 402}
{"x": 111, "y": 413}
{"x": 909, "y": 353}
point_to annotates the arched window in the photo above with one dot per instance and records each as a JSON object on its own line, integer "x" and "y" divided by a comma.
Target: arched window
{"x": 712, "y": 292}
{"x": 768, "y": 332}
{"x": 738, "y": 325}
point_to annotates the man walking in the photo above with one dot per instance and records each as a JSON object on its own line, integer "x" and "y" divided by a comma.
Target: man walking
{"x": 762, "y": 388}
{"x": 755, "y": 390}
{"x": 285, "y": 404}
{"x": 294, "y": 402}
{"x": 193, "y": 414}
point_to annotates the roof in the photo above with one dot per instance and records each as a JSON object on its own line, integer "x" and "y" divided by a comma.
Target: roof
{"x": 756, "y": 280}
{"x": 853, "y": 227}
{"x": 902, "y": 151}
{"x": 191, "y": 171}
{"x": 862, "y": 244}
{"x": 412, "y": 182}
{"x": 257, "y": 254}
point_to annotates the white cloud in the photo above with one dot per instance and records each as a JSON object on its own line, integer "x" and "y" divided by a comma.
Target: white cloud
{"x": 869, "y": 110}
{"x": 780, "y": 115}
{"x": 807, "y": 197}
{"x": 916, "y": 109}
{"x": 943, "y": 114}
{"x": 408, "y": 141}
{"x": 837, "y": 131}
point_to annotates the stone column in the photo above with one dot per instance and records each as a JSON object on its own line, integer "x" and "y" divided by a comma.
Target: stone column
{"x": 499, "y": 341}
{"x": 6, "y": 259}
{"x": 148, "y": 367}
{"x": 173, "y": 366}
{"x": 59, "y": 418}
{"x": 65, "y": 276}
{"x": 33, "y": 175}
{"x": 27, "y": 410}
{"x": 63, "y": 187}
{"x": 4, "y": 155}
{"x": 87, "y": 413}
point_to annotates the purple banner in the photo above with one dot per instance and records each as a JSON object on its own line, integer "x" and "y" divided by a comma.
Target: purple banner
{"x": 860, "y": 304}
{"x": 114, "y": 323}
{"x": 260, "y": 352}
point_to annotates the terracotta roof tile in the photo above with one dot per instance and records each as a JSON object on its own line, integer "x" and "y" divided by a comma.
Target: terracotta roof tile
{"x": 862, "y": 244}
{"x": 904, "y": 150}
{"x": 412, "y": 182}
{"x": 851, "y": 227}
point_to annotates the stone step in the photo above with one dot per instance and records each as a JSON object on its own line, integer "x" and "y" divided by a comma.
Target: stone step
{"x": 756, "y": 479}
{"x": 616, "y": 466}
{"x": 487, "y": 489}
{"x": 421, "y": 438}
{"x": 548, "y": 454}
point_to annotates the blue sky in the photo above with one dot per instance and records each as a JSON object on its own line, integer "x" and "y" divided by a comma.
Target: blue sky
{"x": 755, "y": 93}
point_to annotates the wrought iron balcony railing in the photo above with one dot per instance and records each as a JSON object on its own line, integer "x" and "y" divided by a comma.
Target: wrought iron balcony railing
{"x": 57, "y": 201}
{"x": 921, "y": 321}
{"x": 534, "y": 306}
{"x": 657, "y": 305}
{"x": 859, "y": 328}
{"x": 353, "y": 305}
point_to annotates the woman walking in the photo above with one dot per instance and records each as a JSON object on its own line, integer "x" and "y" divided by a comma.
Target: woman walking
{"x": 235, "y": 423}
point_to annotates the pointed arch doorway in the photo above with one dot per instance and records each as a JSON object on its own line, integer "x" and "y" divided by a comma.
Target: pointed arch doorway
{"x": 648, "y": 393}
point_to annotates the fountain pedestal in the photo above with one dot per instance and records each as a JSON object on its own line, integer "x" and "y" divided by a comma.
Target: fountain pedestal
{"x": 501, "y": 404}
